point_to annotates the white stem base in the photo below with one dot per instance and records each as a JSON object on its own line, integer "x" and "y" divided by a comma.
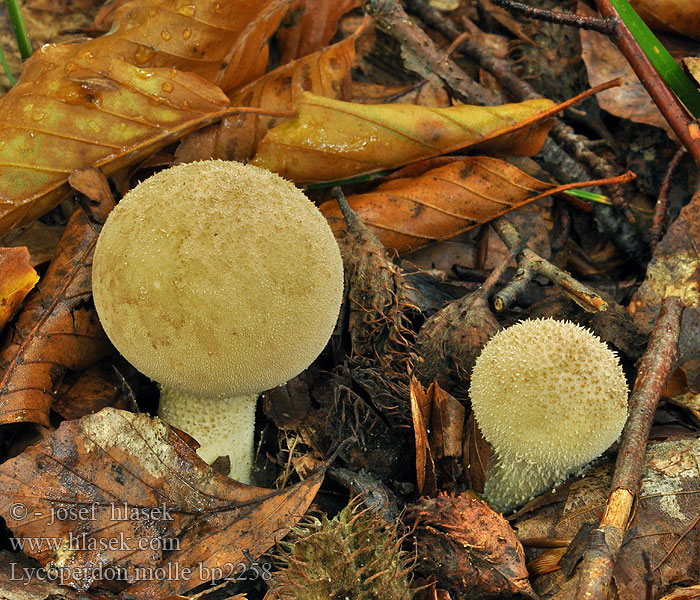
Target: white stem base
{"x": 222, "y": 426}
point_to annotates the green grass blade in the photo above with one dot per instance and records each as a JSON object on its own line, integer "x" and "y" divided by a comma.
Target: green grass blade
{"x": 6, "y": 67}
{"x": 663, "y": 62}
{"x": 15, "y": 14}
{"x": 584, "y": 195}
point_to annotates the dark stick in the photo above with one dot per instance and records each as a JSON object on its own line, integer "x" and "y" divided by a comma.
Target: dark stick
{"x": 427, "y": 58}
{"x": 585, "y": 297}
{"x": 604, "y": 26}
{"x": 655, "y": 370}
{"x": 657, "y": 224}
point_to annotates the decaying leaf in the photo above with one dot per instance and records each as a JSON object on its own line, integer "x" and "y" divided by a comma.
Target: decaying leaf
{"x": 150, "y": 81}
{"x": 309, "y": 26}
{"x": 668, "y": 507}
{"x": 20, "y": 580}
{"x": 425, "y": 465}
{"x": 224, "y": 43}
{"x": 236, "y": 138}
{"x": 603, "y": 62}
{"x": 331, "y": 140}
{"x": 17, "y": 278}
{"x": 674, "y": 270}
{"x": 677, "y": 16}
{"x": 471, "y": 550}
{"x": 58, "y": 328}
{"x": 124, "y": 492}
{"x": 89, "y": 392}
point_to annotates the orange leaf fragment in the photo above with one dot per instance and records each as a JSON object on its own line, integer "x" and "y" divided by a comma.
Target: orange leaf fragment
{"x": 17, "y": 278}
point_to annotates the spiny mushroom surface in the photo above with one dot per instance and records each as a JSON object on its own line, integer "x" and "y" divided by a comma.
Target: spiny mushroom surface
{"x": 218, "y": 280}
{"x": 549, "y": 396}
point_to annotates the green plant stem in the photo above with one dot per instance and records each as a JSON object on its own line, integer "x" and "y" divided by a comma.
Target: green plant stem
{"x": 15, "y": 14}
{"x": 5, "y": 66}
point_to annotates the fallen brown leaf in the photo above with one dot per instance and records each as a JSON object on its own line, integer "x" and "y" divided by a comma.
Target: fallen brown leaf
{"x": 324, "y": 72}
{"x": 663, "y": 526}
{"x": 58, "y": 328}
{"x": 310, "y": 25}
{"x": 119, "y": 498}
{"x": 409, "y": 213}
{"x": 677, "y": 16}
{"x": 603, "y": 62}
{"x": 471, "y": 550}
{"x": 425, "y": 466}
{"x": 17, "y": 278}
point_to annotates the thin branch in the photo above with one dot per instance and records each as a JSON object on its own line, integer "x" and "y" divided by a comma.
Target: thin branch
{"x": 584, "y": 296}
{"x": 428, "y": 59}
{"x": 657, "y": 224}
{"x": 655, "y": 371}
{"x": 604, "y": 26}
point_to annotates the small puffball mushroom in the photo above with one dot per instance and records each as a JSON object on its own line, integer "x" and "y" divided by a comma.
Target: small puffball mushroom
{"x": 549, "y": 396}
{"x": 219, "y": 281}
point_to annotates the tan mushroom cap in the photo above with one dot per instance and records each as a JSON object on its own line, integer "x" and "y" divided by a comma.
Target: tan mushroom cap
{"x": 550, "y": 397}
{"x": 217, "y": 278}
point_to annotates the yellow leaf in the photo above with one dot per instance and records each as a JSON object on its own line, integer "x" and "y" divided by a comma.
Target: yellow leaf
{"x": 330, "y": 139}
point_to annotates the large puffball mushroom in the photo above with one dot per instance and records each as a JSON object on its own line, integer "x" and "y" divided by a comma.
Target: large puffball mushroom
{"x": 549, "y": 396}
{"x": 219, "y": 281}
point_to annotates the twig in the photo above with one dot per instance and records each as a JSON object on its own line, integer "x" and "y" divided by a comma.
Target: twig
{"x": 585, "y": 297}
{"x": 671, "y": 108}
{"x": 604, "y": 26}
{"x": 656, "y": 368}
{"x": 522, "y": 278}
{"x": 657, "y": 223}
{"x": 427, "y": 58}
{"x": 556, "y": 161}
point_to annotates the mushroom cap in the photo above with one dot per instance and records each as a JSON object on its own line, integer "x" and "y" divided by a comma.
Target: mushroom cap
{"x": 550, "y": 393}
{"x": 217, "y": 278}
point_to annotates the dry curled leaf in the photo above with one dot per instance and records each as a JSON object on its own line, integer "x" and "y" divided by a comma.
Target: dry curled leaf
{"x": 471, "y": 550}
{"x": 331, "y": 140}
{"x": 121, "y": 491}
{"x": 425, "y": 465}
{"x": 409, "y": 213}
{"x": 17, "y": 278}
{"x": 58, "y": 328}
{"x": 677, "y": 16}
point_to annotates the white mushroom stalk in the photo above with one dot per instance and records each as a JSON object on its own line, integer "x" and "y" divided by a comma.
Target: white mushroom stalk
{"x": 549, "y": 396}
{"x": 218, "y": 280}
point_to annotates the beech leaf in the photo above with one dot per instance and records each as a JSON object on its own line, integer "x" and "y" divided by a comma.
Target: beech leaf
{"x": 118, "y": 496}
{"x": 236, "y": 138}
{"x": 330, "y": 140}
{"x": 58, "y": 328}
{"x": 410, "y": 213}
